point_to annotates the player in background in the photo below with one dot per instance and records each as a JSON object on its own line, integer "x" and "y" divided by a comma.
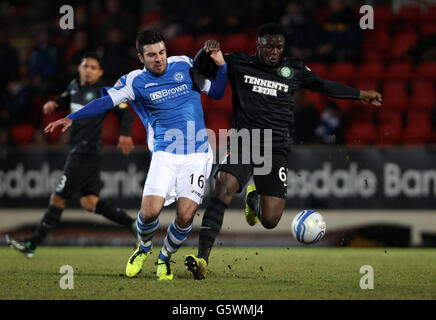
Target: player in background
{"x": 81, "y": 172}
{"x": 263, "y": 86}
{"x": 166, "y": 96}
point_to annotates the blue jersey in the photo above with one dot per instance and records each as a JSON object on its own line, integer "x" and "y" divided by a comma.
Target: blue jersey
{"x": 168, "y": 105}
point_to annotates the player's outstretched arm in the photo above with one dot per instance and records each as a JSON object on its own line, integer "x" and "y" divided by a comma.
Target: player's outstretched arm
{"x": 92, "y": 109}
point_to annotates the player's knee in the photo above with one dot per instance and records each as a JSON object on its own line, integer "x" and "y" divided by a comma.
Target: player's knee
{"x": 270, "y": 222}
{"x": 88, "y": 203}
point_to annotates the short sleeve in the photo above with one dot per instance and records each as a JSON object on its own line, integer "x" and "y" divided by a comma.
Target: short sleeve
{"x": 122, "y": 91}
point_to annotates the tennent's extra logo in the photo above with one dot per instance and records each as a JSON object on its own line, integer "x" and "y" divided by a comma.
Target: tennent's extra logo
{"x": 267, "y": 87}
{"x": 167, "y": 94}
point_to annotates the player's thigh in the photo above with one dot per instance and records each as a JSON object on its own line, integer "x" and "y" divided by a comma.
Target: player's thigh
{"x": 272, "y": 210}
{"x": 161, "y": 176}
{"x": 193, "y": 175}
{"x": 226, "y": 186}
{"x": 275, "y": 183}
{"x": 72, "y": 177}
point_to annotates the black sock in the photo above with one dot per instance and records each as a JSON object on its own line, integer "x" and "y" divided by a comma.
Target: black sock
{"x": 51, "y": 218}
{"x": 108, "y": 210}
{"x": 210, "y": 227}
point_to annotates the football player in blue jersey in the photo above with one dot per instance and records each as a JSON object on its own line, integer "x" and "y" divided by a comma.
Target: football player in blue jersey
{"x": 166, "y": 97}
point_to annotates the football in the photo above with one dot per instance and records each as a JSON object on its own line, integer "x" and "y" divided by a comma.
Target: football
{"x": 308, "y": 227}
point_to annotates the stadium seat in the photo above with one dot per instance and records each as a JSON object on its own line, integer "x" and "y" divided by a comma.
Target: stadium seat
{"x": 342, "y": 71}
{"x": 181, "y": 45}
{"x": 46, "y": 119}
{"x": 395, "y": 95}
{"x": 399, "y": 71}
{"x": 376, "y": 45}
{"x": 316, "y": 99}
{"x": 367, "y": 85}
{"x": 215, "y": 122}
{"x": 410, "y": 14}
{"x": 429, "y": 14}
{"x": 383, "y": 14}
{"x": 428, "y": 28}
{"x": 110, "y": 131}
{"x": 23, "y": 134}
{"x": 401, "y": 43}
{"x": 370, "y": 70}
{"x": 418, "y": 129}
{"x": 236, "y": 42}
{"x": 360, "y": 133}
{"x": 139, "y": 134}
{"x": 319, "y": 69}
{"x": 425, "y": 71}
{"x": 423, "y": 95}
{"x": 389, "y": 128}
{"x": 221, "y": 105}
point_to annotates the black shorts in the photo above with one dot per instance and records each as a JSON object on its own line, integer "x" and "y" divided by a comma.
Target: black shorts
{"x": 81, "y": 175}
{"x": 273, "y": 184}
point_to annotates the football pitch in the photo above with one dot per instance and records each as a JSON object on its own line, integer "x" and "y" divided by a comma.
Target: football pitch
{"x": 235, "y": 273}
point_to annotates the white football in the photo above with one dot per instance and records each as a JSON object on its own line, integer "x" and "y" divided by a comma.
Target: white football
{"x": 308, "y": 227}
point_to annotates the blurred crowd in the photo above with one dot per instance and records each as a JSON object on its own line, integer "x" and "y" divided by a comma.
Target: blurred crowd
{"x": 39, "y": 59}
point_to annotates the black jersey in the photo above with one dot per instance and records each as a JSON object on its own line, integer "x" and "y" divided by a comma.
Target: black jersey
{"x": 86, "y": 133}
{"x": 263, "y": 96}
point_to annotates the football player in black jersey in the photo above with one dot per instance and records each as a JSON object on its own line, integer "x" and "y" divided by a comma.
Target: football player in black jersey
{"x": 82, "y": 169}
{"x": 263, "y": 88}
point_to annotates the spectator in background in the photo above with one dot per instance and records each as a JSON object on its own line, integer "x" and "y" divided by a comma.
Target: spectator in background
{"x": 302, "y": 29}
{"x": 306, "y": 119}
{"x": 342, "y": 34}
{"x": 329, "y": 129}
{"x": 8, "y": 59}
{"x": 77, "y": 48}
{"x": 42, "y": 60}
{"x": 115, "y": 53}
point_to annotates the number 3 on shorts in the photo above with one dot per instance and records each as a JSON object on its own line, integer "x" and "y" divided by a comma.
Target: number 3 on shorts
{"x": 200, "y": 180}
{"x": 283, "y": 174}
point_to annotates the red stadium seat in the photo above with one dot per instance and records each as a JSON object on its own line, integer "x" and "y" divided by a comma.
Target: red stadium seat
{"x": 423, "y": 95}
{"x": 399, "y": 71}
{"x": 401, "y": 43}
{"x": 411, "y": 14}
{"x": 181, "y": 45}
{"x": 46, "y": 119}
{"x": 23, "y": 134}
{"x": 316, "y": 99}
{"x": 360, "y": 133}
{"x": 395, "y": 95}
{"x": 366, "y": 85}
{"x": 139, "y": 134}
{"x": 319, "y": 69}
{"x": 428, "y": 27}
{"x": 383, "y": 14}
{"x": 343, "y": 72}
{"x": 425, "y": 71}
{"x": 221, "y": 105}
{"x": 418, "y": 128}
{"x": 376, "y": 45}
{"x": 110, "y": 131}
{"x": 430, "y": 13}
{"x": 389, "y": 129}
{"x": 237, "y": 42}
{"x": 215, "y": 122}
{"x": 370, "y": 70}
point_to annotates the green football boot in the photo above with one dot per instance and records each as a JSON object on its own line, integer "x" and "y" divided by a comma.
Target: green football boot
{"x": 198, "y": 266}
{"x": 163, "y": 271}
{"x": 136, "y": 262}
{"x": 250, "y": 213}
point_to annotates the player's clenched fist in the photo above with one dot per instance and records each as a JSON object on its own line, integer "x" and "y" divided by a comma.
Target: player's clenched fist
{"x": 370, "y": 96}
{"x": 65, "y": 123}
{"x": 216, "y": 55}
{"x": 49, "y": 107}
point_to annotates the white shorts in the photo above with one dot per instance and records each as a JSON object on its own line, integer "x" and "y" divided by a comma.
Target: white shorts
{"x": 174, "y": 176}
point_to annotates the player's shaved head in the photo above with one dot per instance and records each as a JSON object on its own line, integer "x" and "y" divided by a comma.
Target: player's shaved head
{"x": 270, "y": 43}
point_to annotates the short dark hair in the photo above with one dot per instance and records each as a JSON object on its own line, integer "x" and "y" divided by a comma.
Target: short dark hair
{"x": 92, "y": 55}
{"x": 148, "y": 37}
{"x": 271, "y": 28}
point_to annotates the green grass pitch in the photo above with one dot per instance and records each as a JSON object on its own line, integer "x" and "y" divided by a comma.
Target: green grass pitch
{"x": 235, "y": 273}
